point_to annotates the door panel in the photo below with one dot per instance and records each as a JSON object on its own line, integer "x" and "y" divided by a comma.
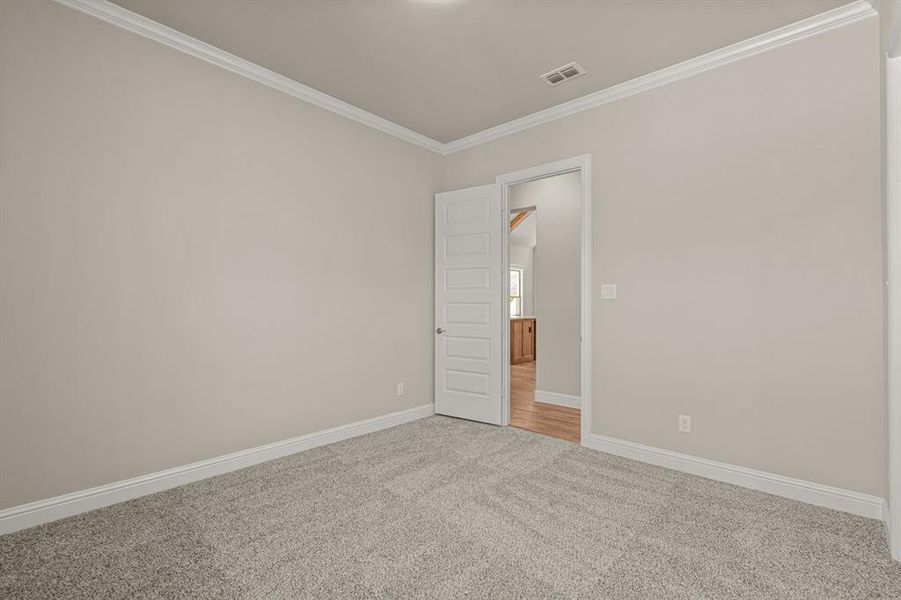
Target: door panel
{"x": 468, "y": 306}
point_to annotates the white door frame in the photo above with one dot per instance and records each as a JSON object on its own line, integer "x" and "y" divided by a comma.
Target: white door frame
{"x": 581, "y": 164}
{"x": 893, "y": 324}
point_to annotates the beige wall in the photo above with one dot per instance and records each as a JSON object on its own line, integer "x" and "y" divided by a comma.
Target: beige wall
{"x": 192, "y": 263}
{"x": 557, "y": 287}
{"x": 183, "y": 255}
{"x": 739, "y": 212}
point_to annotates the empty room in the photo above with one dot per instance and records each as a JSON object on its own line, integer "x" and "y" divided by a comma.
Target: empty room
{"x": 450, "y": 298}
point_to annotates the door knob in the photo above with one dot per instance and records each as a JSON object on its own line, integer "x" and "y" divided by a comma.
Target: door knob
{"x": 439, "y": 331}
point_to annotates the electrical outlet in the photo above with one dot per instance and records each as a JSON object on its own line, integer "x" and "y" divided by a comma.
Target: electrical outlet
{"x": 608, "y": 291}
{"x": 684, "y": 424}
{"x": 400, "y": 389}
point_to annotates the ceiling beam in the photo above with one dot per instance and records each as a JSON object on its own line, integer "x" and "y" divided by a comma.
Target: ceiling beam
{"x": 519, "y": 218}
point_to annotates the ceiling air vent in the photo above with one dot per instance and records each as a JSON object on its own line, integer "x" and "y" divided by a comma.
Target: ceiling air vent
{"x": 564, "y": 73}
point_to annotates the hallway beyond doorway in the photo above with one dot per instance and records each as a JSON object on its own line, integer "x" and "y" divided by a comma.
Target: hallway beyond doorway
{"x": 538, "y": 417}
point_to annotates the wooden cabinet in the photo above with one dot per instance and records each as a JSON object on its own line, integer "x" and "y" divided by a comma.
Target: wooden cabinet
{"x": 515, "y": 341}
{"x": 522, "y": 340}
{"x": 528, "y": 340}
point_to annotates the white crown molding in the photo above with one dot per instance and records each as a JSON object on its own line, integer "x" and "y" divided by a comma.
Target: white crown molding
{"x": 835, "y": 498}
{"x": 566, "y": 400}
{"x": 130, "y": 21}
{"x": 126, "y": 19}
{"x": 44, "y": 511}
{"x": 843, "y": 15}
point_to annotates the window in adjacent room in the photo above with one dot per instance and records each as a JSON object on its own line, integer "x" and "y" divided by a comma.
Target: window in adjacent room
{"x": 515, "y": 292}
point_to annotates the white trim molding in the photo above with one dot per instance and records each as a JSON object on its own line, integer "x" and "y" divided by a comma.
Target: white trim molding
{"x": 893, "y": 301}
{"x": 130, "y": 21}
{"x": 891, "y": 9}
{"x": 558, "y": 399}
{"x": 887, "y": 521}
{"x": 827, "y": 496}
{"x": 44, "y": 511}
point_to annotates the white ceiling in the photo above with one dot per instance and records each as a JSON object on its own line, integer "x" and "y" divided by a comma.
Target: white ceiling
{"x": 450, "y": 68}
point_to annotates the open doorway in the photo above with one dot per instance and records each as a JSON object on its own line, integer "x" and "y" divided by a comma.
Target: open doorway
{"x": 545, "y": 275}
{"x": 473, "y": 302}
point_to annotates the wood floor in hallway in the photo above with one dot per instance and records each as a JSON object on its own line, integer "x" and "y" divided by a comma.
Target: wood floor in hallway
{"x": 538, "y": 417}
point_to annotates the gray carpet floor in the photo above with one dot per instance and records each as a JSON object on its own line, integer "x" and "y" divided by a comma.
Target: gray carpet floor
{"x": 443, "y": 508}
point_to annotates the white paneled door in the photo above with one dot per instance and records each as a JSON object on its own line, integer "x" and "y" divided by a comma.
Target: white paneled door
{"x": 469, "y": 308}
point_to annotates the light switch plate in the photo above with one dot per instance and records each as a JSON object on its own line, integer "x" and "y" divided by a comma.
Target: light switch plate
{"x": 608, "y": 291}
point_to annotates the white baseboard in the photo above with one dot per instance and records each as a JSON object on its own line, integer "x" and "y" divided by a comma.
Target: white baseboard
{"x": 558, "y": 399}
{"x": 51, "y": 509}
{"x": 779, "y": 485}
